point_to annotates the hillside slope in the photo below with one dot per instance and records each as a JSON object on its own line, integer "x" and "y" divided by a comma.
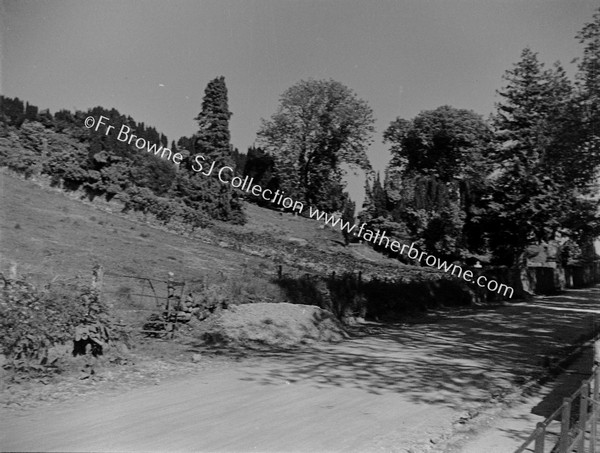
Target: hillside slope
{"x": 50, "y": 233}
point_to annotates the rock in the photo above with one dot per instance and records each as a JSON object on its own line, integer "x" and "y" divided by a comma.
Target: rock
{"x": 196, "y": 358}
{"x": 299, "y": 241}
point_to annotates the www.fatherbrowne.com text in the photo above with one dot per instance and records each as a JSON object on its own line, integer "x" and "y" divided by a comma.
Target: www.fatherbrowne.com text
{"x": 246, "y": 184}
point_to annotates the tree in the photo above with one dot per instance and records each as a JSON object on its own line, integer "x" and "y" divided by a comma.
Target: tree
{"x": 588, "y": 97}
{"x": 203, "y": 193}
{"x": 588, "y": 76}
{"x": 447, "y": 143}
{"x": 540, "y": 161}
{"x": 31, "y": 112}
{"x": 260, "y": 167}
{"x": 319, "y": 125}
{"x": 348, "y": 209}
{"x": 12, "y": 111}
{"x": 376, "y": 203}
{"x": 376, "y": 213}
{"x": 213, "y": 137}
{"x": 436, "y": 178}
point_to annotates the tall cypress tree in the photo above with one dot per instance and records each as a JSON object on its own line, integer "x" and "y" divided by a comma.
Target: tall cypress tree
{"x": 588, "y": 82}
{"x": 213, "y": 137}
{"x": 531, "y": 192}
{"x": 212, "y": 140}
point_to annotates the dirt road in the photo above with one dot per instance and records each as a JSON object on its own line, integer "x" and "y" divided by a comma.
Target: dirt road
{"x": 400, "y": 388}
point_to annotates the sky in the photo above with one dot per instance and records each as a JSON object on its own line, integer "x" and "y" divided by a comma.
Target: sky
{"x": 152, "y": 59}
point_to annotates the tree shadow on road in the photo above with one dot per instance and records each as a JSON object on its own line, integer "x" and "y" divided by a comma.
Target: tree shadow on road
{"x": 459, "y": 358}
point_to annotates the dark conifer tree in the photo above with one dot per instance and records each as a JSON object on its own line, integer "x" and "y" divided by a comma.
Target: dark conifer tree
{"x": 207, "y": 193}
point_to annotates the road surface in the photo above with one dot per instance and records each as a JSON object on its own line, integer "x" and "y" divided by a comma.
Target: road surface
{"x": 403, "y": 388}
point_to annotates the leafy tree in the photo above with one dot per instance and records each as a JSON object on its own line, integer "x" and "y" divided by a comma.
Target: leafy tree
{"x": 436, "y": 178}
{"x": 319, "y": 125}
{"x": 447, "y": 143}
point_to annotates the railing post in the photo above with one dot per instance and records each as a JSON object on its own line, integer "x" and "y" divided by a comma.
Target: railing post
{"x": 596, "y": 382}
{"x": 583, "y": 412}
{"x": 596, "y": 391}
{"x": 565, "y": 422}
{"x": 539, "y": 437}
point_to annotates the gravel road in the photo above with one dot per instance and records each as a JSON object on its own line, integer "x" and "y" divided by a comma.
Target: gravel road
{"x": 404, "y": 387}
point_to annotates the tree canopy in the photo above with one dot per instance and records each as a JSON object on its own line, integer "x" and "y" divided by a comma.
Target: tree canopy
{"x": 319, "y": 125}
{"x": 446, "y": 143}
{"x": 436, "y": 177}
{"x": 541, "y": 163}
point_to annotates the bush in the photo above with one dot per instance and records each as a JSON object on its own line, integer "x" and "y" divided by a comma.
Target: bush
{"x": 33, "y": 320}
{"x": 344, "y": 296}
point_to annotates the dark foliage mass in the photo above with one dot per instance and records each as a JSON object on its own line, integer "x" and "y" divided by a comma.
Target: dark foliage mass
{"x": 212, "y": 141}
{"x": 34, "y": 320}
{"x": 77, "y": 158}
{"x": 347, "y": 296}
{"x": 463, "y": 188}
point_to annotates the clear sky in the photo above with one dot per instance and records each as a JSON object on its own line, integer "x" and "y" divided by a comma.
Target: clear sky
{"x": 153, "y": 59}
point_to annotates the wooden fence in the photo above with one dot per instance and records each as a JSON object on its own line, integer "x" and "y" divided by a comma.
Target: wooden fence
{"x": 133, "y": 294}
{"x": 573, "y": 426}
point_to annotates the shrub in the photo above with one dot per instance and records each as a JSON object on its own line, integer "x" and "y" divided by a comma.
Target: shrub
{"x": 34, "y": 320}
{"x": 344, "y": 296}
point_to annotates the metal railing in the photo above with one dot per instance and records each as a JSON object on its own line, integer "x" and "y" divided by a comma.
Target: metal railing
{"x": 573, "y": 426}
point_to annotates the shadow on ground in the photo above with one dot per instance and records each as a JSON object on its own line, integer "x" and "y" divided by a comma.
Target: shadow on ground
{"x": 459, "y": 358}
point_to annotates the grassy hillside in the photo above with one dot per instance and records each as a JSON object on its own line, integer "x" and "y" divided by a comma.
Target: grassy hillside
{"x": 54, "y": 235}
{"x": 50, "y": 233}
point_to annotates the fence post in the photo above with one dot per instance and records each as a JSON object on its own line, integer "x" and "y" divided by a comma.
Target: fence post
{"x": 565, "y": 421}
{"x": 97, "y": 278}
{"x": 170, "y": 293}
{"x": 539, "y": 437}
{"x": 583, "y": 411}
{"x": 596, "y": 391}
{"x": 176, "y": 303}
